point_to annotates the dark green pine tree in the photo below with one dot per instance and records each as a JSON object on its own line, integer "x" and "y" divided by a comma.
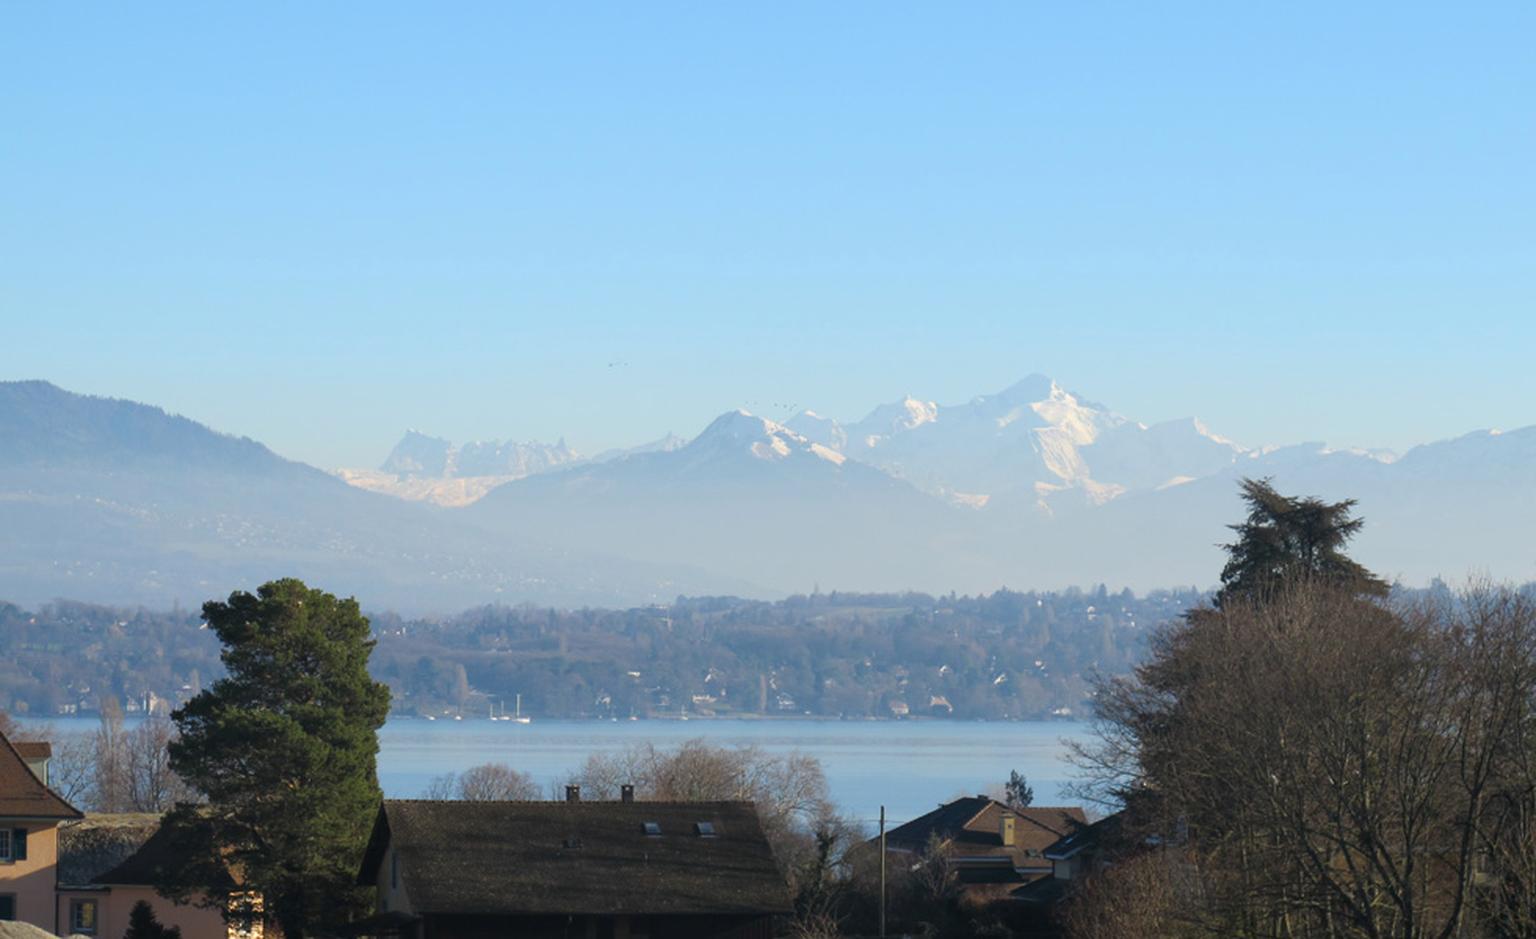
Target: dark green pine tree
{"x": 143, "y": 925}
{"x": 1017, "y": 792}
{"x": 1287, "y": 539}
{"x": 285, "y": 750}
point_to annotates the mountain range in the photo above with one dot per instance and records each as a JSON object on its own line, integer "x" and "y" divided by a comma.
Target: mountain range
{"x": 1033, "y": 486}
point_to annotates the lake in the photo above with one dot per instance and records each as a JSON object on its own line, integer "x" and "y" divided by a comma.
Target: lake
{"x": 908, "y": 766}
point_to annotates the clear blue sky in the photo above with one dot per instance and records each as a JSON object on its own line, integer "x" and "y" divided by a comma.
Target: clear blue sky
{"x": 318, "y": 224}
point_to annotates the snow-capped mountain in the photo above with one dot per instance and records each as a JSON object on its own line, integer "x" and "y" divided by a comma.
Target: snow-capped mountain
{"x": 1033, "y": 486}
{"x": 432, "y": 469}
{"x": 746, "y": 493}
{"x": 1034, "y": 438}
{"x": 738, "y": 433}
{"x": 420, "y": 455}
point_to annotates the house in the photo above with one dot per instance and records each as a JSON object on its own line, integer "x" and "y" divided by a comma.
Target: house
{"x": 599, "y": 870}
{"x": 991, "y": 848}
{"x": 30, "y": 814}
{"x": 1087, "y": 849}
{"x": 72, "y": 873}
{"x": 109, "y": 863}
{"x": 1080, "y": 851}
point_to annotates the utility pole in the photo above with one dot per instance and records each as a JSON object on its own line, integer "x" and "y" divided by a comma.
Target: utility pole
{"x": 882, "y": 872}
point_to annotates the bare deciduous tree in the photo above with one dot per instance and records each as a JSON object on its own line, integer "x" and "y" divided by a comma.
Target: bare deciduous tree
{"x": 790, "y": 789}
{"x": 488, "y": 782}
{"x": 1340, "y": 767}
{"x": 129, "y": 768}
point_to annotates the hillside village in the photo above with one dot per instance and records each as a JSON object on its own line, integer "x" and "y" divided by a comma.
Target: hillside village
{"x": 1007, "y": 656}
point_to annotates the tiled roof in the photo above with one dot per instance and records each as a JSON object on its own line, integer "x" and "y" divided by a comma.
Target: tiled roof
{"x": 532, "y": 858}
{"x": 971, "y": 826}
{"x": 22, "y": 794}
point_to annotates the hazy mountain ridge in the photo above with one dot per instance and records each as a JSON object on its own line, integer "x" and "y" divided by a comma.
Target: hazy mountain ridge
{"x": 423, "y": 468}
{"x": 110, "y": 500}
{"x": 1031, "y": 487}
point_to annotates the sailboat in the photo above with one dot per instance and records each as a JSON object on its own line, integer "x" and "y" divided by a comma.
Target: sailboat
{"x": 518, "y": 715}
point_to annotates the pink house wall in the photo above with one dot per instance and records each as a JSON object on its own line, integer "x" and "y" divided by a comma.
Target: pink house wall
{"x": 31, "y": 881}
{"x": 114, "y": 904}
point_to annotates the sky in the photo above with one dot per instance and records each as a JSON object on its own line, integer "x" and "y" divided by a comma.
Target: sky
{"x": 320, "y": 224}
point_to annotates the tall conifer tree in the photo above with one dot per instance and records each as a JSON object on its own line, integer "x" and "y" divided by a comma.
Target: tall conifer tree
{"x": 1286, "y": 539}
{"x": 284, "y": 747}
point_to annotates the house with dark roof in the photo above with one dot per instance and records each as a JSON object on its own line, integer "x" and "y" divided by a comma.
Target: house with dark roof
{"x": 598, "y": 870}
{"x": 30, "y": 814}
{"x": 109, "y": 863}
{"x": 992, "y": 848}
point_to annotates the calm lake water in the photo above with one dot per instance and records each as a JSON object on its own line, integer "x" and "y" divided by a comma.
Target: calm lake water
{"x": 909, "y": 766}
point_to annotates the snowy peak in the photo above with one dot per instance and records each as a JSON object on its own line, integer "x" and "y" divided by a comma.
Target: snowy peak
{"x": 418, "y": 455}
{"x": 817, "y": 429}
{"x": 740, "y": 433}
{"x": 1034, "y": 436}
{"x": 421, "y": 456}
{"x": 889, "y": 420}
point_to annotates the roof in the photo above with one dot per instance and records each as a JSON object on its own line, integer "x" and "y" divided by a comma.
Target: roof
{"x": 22, "y": 794}
{"x": 1086, "y": 836}
{"x": 33, "y": 749}
{"x": 99, "y": 843}
{"x": 166, "y": 849}
{"x": 971, "y": 826}
{"x": 541, "y": 858}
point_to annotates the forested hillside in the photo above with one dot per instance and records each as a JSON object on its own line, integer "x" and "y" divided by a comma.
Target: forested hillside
{"x": 1007, "y": 655}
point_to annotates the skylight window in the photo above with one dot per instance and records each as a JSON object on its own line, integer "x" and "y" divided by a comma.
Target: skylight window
{"x": 704, "y": 829}
{"x": 652, "y": 828}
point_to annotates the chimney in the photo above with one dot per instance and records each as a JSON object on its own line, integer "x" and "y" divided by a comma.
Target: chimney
{"x": 1005, "y": 830}
{"x": 626, "y": 793}
{"x": 573, "y": 793}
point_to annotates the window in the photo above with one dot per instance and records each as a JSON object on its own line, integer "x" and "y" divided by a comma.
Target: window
{"x": 5, "y": 845}
{"x": 7, "y": 907}
{"x": 82, "y": 917}
{"x": 704, "y": 829}
{"x": 394, "y": 870}
{"x": 652, "y": 828}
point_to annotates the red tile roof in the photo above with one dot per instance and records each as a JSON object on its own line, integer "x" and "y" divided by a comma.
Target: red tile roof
{"x": 22, "y": 794}
{"x": 33, "y": 749}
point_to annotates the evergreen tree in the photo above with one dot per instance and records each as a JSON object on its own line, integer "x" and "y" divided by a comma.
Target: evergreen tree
{"x": 1286, "y": 539}
{"x": 143, "y": 925}
{"x": 285, "y": 749}
{"x": 1017, "y": 792}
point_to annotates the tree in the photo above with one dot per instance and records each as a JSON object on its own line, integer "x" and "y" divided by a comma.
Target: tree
{"x": 130, "y": 770}
{"x": 790, "y": 790}
{"x": 1324, "y": 765}
{"x": 110, "y": 757}
{"x": 1017, "y": 792}
{"x": 1285, "y": 539}
{"x": 152, "y": 785}
{"x": 142, "y": 924}
{"x": 1315, "y": 762}
{"x": 285, "y": 749}
{"x": 488, "y": 782}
